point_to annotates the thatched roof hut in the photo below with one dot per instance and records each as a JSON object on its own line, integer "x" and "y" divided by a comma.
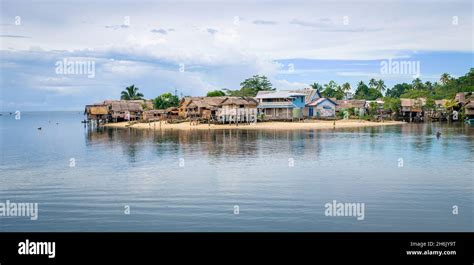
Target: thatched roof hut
{"x": 412, "y": 105}
{"x": 239, "y": 101}
{"x": 154, "y": 115}
{"x": 469, "y": 109}
{"x": 122, "y": 106}
{"x": 96, "y": 112}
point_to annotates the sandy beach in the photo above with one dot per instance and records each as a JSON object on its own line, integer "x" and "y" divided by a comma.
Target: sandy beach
{"x": 259, "y": 126}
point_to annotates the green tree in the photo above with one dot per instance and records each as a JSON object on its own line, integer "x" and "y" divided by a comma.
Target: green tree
{"x": 316, "y": 86}
{"x": 215, "y": 93}
{"x": 251, "y": 86}
{"x": 372, "y": 83}
{"x": 373, "y": 94}
{"x": 364, "y": 92}
{"x": 417, "y": 84}
{"x": 398, "y": 90}
{"x": 166, "y": 100}
{"x": 130, "y": 93}
{"x": 445, "y": 78}
{"x": 361, "y": 91}
{"x": 429, "y": 85}
{"x": 392, "y": 104}
{"x": 430, "y": 104}
{"x": 343, "y": 90}
{"x": 416, "y": 94}
{"x": 332, "y": 90}
{"x": 373, "y": 108}
{"x": 346, "y": 87}
{"x": 381, "y": 85}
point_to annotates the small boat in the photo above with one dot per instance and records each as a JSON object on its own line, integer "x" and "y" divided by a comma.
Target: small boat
{"x": 39, "y": 128}
{"x": 469, "y": 121}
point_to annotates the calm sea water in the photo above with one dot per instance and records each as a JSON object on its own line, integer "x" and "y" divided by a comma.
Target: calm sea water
{"x": 192, "y": 180}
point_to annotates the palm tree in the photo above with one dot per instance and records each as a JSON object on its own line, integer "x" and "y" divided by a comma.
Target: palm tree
{"x": 429, "y": 85}
{"x": 130, "y": 93}
{"x": 372, "y": 83}
{"x": 346, "y": 87}
{"x": 316, "y": 86}
{"x": 417, "y": 84}
{"x": 381, "y": 85}
{"x": 445, "y": 78}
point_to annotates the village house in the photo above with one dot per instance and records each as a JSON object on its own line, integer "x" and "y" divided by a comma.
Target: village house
{"x": 321, "y": 108}
{"x": 199, "y": 107}
{"x": 116, "y": 110}
{"x": 285, "y": 105}
{"x": 183, "y": 106}
{"x": 222, "y": 109}
{"x": 460, "y": 98}
{"x": 378, "y": 103}
{"x": 172, "y": 113}
{"x": 97, "y": 112}
{"x": 237, "y": 109}
{"x": 412, "y": 109}
{"x": 126, "y": 110}
{"x": 359, "y": 106}
{"x": 280, "y": 105}
{"x": 469, "y": 110}
{"x": 161, "y": 114}
{"x": 154, "y": 115}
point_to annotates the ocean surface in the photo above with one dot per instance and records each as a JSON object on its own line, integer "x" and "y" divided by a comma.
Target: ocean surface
{"x": 234, "y": 180}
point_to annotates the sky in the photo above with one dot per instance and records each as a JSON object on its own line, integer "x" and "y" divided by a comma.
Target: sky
{"x": 191, "y": 47}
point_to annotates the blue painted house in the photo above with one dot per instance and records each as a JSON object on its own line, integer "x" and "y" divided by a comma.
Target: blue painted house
{"x": 285, "y": 105}
{"x": 280, "y": 105}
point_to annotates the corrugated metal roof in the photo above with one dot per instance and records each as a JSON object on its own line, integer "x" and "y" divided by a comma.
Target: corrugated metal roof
{"x": 239, "y": 101}
{"x": 319, "y": 101}
{"x": 279, "y": 94}
{"x": 309, "y": 92}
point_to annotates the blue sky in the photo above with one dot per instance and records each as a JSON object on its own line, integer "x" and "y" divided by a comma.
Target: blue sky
{"x": 196, "y": 46}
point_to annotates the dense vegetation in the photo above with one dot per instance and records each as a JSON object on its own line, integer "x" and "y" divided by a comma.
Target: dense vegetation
{"x": 446, "y": 88}
{"x": 166, "y": 100}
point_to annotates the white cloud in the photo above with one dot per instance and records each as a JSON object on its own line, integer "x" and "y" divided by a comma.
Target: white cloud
{"x": 216, "y": 51}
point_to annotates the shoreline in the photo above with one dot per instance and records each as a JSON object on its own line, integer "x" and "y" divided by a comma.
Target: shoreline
{"x": 307, "y": 125}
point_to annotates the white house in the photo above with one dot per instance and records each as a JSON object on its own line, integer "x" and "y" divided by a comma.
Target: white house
{"x": 321, "y": 108}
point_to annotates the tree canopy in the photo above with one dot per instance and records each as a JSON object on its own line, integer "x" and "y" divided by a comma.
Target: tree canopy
{"x": 368, "y": 93}
{"x": 215, "y": 93}
{"x": 251, "y": 86}
{"x": 166, "y": 100}
{"x": 445, "y": 89}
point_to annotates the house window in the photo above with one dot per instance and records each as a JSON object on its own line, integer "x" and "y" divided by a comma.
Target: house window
{"x": 241, "y": 106}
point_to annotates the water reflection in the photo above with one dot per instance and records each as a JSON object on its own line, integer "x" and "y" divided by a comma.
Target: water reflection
{"x": 312, "y": 144}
